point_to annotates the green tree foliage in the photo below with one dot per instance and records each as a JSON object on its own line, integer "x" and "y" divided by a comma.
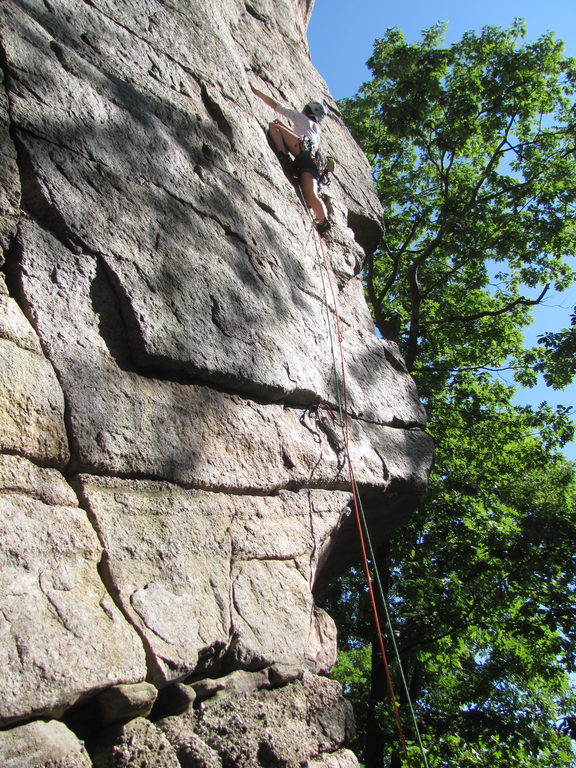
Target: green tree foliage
{"x": 473, "y": 153}
{"x": 555, "y": 358}
{"x": 473, "y": 149}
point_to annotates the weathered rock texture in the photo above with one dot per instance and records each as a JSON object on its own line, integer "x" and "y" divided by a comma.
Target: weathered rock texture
{"x": 174, "y": 488}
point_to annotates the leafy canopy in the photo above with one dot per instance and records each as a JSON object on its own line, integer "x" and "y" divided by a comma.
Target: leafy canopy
{"x": 473, "y": 154}
{"x": 473, "y": 149}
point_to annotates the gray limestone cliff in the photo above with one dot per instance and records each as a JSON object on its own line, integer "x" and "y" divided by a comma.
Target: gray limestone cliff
{"x": 173, "y": 489}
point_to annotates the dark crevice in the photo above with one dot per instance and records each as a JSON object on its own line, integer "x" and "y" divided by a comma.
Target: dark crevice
{"x": 36, "y": 200}
{"x": 395, "y": 360}
{"x": 367, "y": 231}
{"x": 173, "y": 700}
{"x": 7, "y": 238}
{"x": 112, "y": 325}
{"x": 266, "y": 755}
{"x": 286, "y": 459}
{"x": 11, "y": 257}
{"x": 58, "y": 51}
{"x": 87, "y": 39}
{"x": 215, "y": 111}
{"x": 385, "y": 471}
{"x": 333, "y": 108}
{"x": 294, "y": 486}
{"x": 215, "y": 314}
{"x": 267, "y": 209}
{"x": 255, "y": 14}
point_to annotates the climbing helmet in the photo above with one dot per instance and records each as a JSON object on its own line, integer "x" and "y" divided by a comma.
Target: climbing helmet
{"x": 317, "y": 109}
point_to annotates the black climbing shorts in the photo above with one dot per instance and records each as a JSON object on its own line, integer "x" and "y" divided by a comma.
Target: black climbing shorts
{"x": 303, "y": 163}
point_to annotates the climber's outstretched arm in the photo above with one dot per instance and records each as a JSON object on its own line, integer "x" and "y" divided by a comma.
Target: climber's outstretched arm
{"x": 265, "y": 98}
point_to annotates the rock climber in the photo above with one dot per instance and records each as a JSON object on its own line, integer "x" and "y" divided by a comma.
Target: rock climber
{"x": 302, "y": 142}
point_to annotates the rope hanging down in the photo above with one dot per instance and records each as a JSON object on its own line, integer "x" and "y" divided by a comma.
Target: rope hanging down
{"x": 361, "y": 522}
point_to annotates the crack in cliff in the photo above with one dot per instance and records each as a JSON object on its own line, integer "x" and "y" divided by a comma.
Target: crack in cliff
{"x": 256, "y": 14}
{"x": 37, "y": 202}
{"x": 8, "y": 248}
{"x": 201, "y": 212}
{"x": 215, "y": 112}
{"x": 271, "y": 490}
{"x": 105, "y": 572}
{"x": 314, "y": 547}
{"x": 212, "y": 107}
{"x": 385, "y": 471}
{"x": 267, "y": 209}
{"x": 31, "y": 193}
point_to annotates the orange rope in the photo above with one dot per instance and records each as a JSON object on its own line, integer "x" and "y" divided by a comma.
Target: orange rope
{"x": 357, "y": 514}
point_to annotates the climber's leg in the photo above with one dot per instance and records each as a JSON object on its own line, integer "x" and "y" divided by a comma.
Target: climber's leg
{"x": 283, "y": 139}
{"x": 309, "y": 187}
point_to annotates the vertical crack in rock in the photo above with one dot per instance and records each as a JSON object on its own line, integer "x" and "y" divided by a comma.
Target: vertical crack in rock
{"x": 104, "y": 571}
{"x": 216, "y": 113}
{"x": 216, "y": 316}
{"x": 8, "y": 270}
{"x": 385, "y": 471}
{"x": 314, "y": 548}
{"x": 36, "y": 200}
{"x": 10, "y": 192}
{"x": 17, "y": 292}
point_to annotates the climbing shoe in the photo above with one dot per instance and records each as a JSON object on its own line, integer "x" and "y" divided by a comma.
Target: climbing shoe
{"x": 324, "y": 227}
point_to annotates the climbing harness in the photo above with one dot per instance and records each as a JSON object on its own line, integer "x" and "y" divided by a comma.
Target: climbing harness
{"x": 314, "y": 160}
{"x": 361, "y": 523}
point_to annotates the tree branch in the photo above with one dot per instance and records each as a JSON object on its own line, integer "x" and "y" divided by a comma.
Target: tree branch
{"x": 496, "y": 155}
{"x": 487, "y": 313}
{"x": 373, "y": 296}
{"x": 464, "y": 622}
{"x": 415, "y": 307}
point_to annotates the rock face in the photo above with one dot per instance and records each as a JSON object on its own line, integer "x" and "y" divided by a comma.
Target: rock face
{"x": 174, "y": 480}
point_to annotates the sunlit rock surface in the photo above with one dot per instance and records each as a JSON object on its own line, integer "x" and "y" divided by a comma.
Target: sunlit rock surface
{"x": 174, "y": 484}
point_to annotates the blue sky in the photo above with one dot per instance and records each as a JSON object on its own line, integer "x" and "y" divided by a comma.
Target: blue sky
{"x": 341, "y": 35}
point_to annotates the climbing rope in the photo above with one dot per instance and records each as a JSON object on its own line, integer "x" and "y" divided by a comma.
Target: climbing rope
{"x": 361, "y": 523}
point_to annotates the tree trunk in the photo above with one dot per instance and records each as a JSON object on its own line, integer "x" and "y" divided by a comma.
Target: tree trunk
{"x": 374, "y": 754}
{"x": 375, "y": 734}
